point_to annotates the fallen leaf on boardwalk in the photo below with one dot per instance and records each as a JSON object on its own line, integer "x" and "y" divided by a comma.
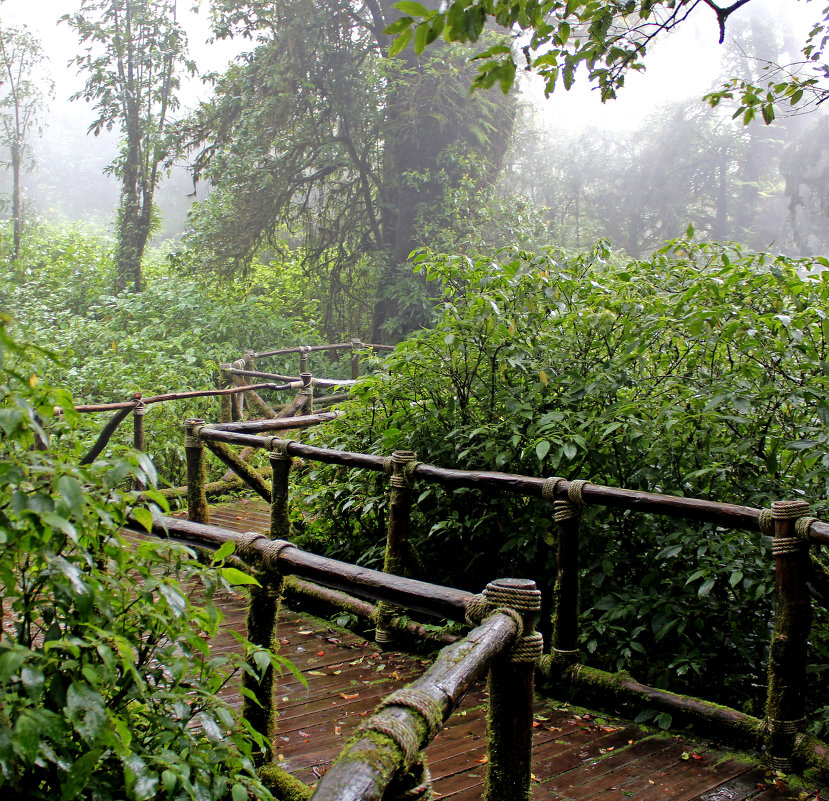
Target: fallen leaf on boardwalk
{"x": 685, "y": 755}
{"x": 534, "y": 778}
{"x": 303, "y": 733}
{"x": 337, "y": 730}
{"x": 304, "y": 632}
{"x": 608, "y": 728}
{"x": 695, "y": 756}
{"x": 379, "y": 667}
{"x": 333, "y": 640}
{"x": 335, "y": 672}
{"x": 315, "y": 673}
{"x": 483, "y": 760}
{"x": 651, "y": 781}
{"x": 537, "y": 725}
{"x": 238, "y": 517}
{"x": 605, "y": 750}
{"x": 280, "y": 757}
{"x": 284, "y": 641}
{"x": 349, "y": 696}
{"x": 320, "y": 653}
{"x": 631, "y": 742}
{"x": 363, "y": 714}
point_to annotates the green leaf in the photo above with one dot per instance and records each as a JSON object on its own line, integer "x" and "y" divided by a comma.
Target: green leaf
{"x": 238, "y": 792}
{"x": 224, "y": 551}
{"x": 400, "y": 42}
{"x": 542, "y": 448}
{"x": 144, "y": 517}
{"x": 71, "y": 491}
{"x": 412, "y": 9}
{"x": 236, "y": 577}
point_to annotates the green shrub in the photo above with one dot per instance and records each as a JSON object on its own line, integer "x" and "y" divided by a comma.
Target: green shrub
{"x": 701, "y": 371}
{"x": 107, "y": 688}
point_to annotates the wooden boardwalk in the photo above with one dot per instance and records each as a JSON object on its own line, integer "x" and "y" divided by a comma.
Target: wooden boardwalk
{"x": 575, "y": 756}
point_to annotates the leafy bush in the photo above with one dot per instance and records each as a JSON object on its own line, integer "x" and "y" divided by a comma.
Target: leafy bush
{"x": 171, "y": 337}
{"x": 107, "y": 688}
{"x": 701, "y": 371}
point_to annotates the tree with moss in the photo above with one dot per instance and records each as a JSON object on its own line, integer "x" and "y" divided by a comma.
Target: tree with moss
{"x": 134, "y": 54}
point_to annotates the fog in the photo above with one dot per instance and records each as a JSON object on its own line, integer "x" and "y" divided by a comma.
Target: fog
{"x": 69, "y": 183}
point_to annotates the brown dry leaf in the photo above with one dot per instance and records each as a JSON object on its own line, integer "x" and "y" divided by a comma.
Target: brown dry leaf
{"x": 608, "y": 728}
{"x": 349, "y": 696}
{"x": 338, "y": 730}
{"x": 320, "y": 653}
{"x": 483, "y": 760}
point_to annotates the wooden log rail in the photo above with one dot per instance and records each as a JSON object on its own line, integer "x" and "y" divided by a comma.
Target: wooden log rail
{"x": 787, "y": 522}
{"x": 385, "y": 752}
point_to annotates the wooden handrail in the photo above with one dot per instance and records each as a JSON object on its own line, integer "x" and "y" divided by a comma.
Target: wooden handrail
{"x": 724, "y": 514}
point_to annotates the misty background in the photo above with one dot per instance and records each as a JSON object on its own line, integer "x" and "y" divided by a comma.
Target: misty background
{"x": 637, "y": 170}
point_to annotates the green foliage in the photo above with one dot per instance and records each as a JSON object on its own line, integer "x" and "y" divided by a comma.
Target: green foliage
{"x": 608, "y": 39}
{"x": 169, "y": 338}
{"x": 107, "y": 688}
{"x": 700, "y": 371}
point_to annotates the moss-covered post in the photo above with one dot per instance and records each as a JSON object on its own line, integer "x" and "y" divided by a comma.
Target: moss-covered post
{"x": 307, "y": 391}
{"x": 281, "y": 466}
{"x": 566, "y": 590}
{"x": 511, "y": 695}
{"x": 226, "y": 401}
{"x": 138, "y": 432}
{"x": 238, "y": 398}
{"x": 263, "y": 609}
{"x": 792, "y": 624}
{"x": 303, "y": 359}
{"x": 194, "y": 453}
{"x": 397, "y": 534}
{"x": 356, "y": 347}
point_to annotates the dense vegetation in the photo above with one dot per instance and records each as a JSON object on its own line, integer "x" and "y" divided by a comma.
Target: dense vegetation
{"x": 107, "y": 688}
{"x": 694, "y": 367}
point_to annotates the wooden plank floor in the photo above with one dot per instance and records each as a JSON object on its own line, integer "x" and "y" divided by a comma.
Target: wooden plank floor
{"x": 575, "y": 757}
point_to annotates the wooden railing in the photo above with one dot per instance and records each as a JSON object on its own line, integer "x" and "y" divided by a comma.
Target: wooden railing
{"x": 387, "y": 748}
{"x": 781, "y": 730}
{"x": 234, "y": 392}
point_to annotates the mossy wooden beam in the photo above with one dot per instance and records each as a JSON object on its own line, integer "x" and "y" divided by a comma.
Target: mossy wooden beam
{"x": 387, "y": 744}
{"x": 242, "y": 469}
{"x": 107, "y": 431}
{"x": 397, "y": 534}
{"x": 280, "y": 526}
{"x": 418, "y": 596}
{"x": 511, "y": 696}
{"x": 197, "y": 510}
{"x": 788, "y": 653}
{"x": 599, "y": 686}
{"x": 361, "y": 608}
{"x": 282, "y": 784}
{"x": 263, "y": 610}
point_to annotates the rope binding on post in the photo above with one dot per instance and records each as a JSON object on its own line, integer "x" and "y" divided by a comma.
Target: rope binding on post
{"x": 790, "y": 510}
{"x": 548, "y": 489}
{"x": 403, "y": 736}
{"x": 418, "y": 701}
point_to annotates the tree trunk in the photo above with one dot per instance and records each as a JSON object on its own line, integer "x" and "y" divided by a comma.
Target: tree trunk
{"x": 133, "y": 226}
{"x": 16, "y": 199}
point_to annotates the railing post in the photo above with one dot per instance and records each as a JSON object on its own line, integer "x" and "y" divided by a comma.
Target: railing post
{"x": 356, "y": 347}
{"x": 303, "y": 359}
{"x": 194, "y": 453}
{"x": 226, "y": 401}
{"x": 511, "y": 695}
{"x": 138, "y": 433}
{"x": 792, "y": 624}
{"x": 238, "y": 398}
{"x": 308, "y": 391}
{"x": 397, "y": 535}
{"x": 281, "y": 467}
{"x": 565, "y": 621}
{"x": 263, "y": 610}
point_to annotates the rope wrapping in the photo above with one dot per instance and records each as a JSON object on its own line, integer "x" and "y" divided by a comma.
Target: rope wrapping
{"x": 279, "y": 448}
{"x": 803, "y": 525}
{"x": 524, "y": 600}
{"x": 477, "y": 609}
{"x": 790, "y": 727}
{"x": 781, "y": 546}
{"x": 409, "y": 469}
{"x": 244, "y": 544}
{"x": 548, "y": 489}
{"x": 789, "y": 510}
{"x": 271, "y": 551}
{"x": 422, "y": 703}
{"x": 387, "y": 464}
{"x": 574, "y": 491}
{"x": 565, "y": 510}
{"x": 766, "y": 522}
{"x": 421, "y": 776}
{"x": 527, "y": 649}
{"x": 404, "y": 737}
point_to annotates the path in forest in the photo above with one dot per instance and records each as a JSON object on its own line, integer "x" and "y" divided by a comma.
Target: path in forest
{"x": 575, "y": 756}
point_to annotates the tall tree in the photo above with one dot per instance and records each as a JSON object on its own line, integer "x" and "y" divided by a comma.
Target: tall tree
{"x": 317, "y": 139}
{"x": 135, "y": 53}
{"x": 21, "y": 102}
